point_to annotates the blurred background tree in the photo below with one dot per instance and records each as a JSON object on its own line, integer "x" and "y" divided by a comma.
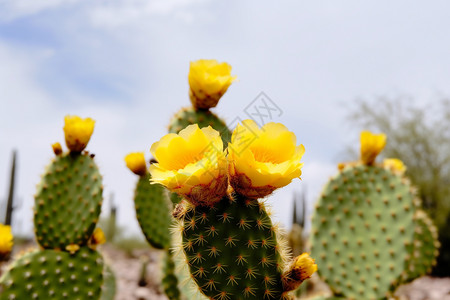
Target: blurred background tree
{"x": 420, "y": 137}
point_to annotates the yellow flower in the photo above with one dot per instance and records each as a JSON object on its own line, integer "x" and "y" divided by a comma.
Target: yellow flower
{"x": 394, "y": 164}
{"x": 302, "y": 268}
{"x": 261, "y": 160}
{"x": 6, "y": 241}
{"x": 78, "y": 132}
{"x": 192, "y": 164}
{"x": 371, "y": 146}
{"x": 136, "y": 163}
{"x": 57, "y": 149}
{"x": 72, "y": 248}
{"x": 97, "y": 238}
{"x": 208, "y": 81}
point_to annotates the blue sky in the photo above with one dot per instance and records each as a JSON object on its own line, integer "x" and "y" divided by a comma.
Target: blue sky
{"x": 125, "y": 63}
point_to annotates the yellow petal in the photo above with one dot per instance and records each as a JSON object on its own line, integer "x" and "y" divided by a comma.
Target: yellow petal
{"x": 263, "y": 159}
{"x": 6, "y": 240}
{"x": 77, "y": 132}
{"x": 192, "y": 164}
{"x": 208, "y": 81}
{"x": 136, "y": 163}
{"x": 395, "y": 165}
{"x": 371, "y": 146}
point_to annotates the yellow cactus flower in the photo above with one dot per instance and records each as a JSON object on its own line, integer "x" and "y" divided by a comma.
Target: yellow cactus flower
{"x": 208, "y": 81}
{"x": 261, "y": 160}
{"x": 78, "y": 132}
{"x": 371, "y": 146}
{"x": 302, "y": 268}
{"x": 97, "y": 238}
{"x": 6, "y": 241}
{"x": 72, "y": 248}
{"x": 394, "y": 164}
{"x": 57, "y": 149}
{"x": 136, "y": 163}
{"x": 192, "y": 164}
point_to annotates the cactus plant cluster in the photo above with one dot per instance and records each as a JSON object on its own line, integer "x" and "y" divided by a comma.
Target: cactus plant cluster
{"x": 67, "y": 208}
{"x": 368, "y": 234}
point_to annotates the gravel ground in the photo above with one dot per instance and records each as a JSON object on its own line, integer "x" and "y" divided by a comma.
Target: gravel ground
{"x": 127, "y": 269}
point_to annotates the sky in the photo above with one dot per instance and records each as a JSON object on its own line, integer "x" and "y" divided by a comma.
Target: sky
{"x": 124, "y": 63}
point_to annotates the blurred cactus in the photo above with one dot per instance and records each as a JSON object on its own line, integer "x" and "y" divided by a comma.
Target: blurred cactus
{"x": 153, "y": 211}
{"x": 295, "y": 236}
{"x": 419, "y": 136}
{"x": 368, "y": 233}
{"x": 67, "y": 208}
{"x": 10, "y": 202}
{"x": 111, "y": 222}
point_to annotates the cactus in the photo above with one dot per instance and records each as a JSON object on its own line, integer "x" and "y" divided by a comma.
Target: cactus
{"x": 363, "y": 230}
{"x": 424, "y": 248}
{"x": 52, "y": 274}
{"x": 153, "y": 212}
{"x": 170, "y": 280}
{"x": 67, "y": 207}
{"x": 233, "y": 251}
{"x": 204, "y": 118}
{"x": 10, "y": 204}
{"x": 68, "y": 201}
{"x": 231, "y": 247}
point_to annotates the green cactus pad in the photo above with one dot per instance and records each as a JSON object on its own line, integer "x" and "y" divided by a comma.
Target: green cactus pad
{"x": 204, "y": 118}
{"x": 153, "y": 211}
{"x": 424, "y": 248}
{"x": 361, "y": 230}
{"x": 50, "y": 274}
{"x": 232, "y": 250}
{"x": 68, "y": 201}
{"x": 170, "y": 280}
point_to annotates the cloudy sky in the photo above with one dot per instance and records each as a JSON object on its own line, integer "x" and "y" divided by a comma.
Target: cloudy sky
{"x": 125, "y": 63}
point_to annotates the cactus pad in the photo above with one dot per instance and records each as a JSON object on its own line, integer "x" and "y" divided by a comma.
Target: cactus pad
{"x": 424, "y": 249}
{"x": 153, "y": 209}
{"x": 232, "y": 250}
{"x": 68, "y": 201}
{"x": 204, "y": 118}
{"x": 51, "y": 274}
{"x": 170, "y": 280}
{"x": 362, "y": 227}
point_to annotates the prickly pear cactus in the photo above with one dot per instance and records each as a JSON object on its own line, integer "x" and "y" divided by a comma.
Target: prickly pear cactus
{"x": 68, "y": 201}
{"x": 232, "y": 250}
{"x": 365, "y": 228}
{"x": 361, "y": 229}
{"x": 153, "y": 212}
{"x": 67, "y": 208}
{"x": 204, "y": 118}
{"x": 51, "y": 274}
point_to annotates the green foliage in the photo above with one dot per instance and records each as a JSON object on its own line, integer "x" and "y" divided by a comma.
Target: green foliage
{"x": 232, "y": 250}
{"x": 153, "y": 210}
{"x": 68, "y": 201}
{"x": 364, "y": 231}
{"x": 420, "y": 137}
{"x": 50, "y": 274}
